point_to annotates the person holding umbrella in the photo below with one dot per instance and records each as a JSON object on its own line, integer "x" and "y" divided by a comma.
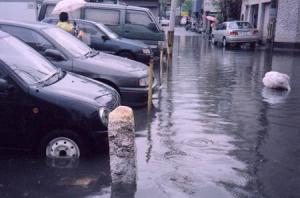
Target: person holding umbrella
{"x": 64, "y": 23}
{"x": 62, "y": 8}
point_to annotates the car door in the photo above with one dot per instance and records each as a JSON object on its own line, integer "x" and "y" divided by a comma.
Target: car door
{"x": 139, "y": 26}
{"x": 38, "y": 42}
{"x": 12, "y": 112}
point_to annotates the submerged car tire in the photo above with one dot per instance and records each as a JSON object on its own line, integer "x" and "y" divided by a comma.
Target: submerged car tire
{"x": 125, "y": 54}
{"x": 63, "y": 144}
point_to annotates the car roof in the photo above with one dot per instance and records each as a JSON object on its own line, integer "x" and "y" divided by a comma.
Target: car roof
{"x": 3, "y": 34}
{"x": 103, "y": 5}
{"x": 31, "y": 25}
{"x": 77, "y": 20}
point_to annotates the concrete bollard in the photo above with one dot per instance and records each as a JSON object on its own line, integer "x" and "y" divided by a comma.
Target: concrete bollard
{"x": 122, "y": 149}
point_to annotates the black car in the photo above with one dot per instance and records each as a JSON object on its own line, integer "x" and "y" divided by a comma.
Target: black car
{"x": 42, "y": 107}
{"x": 128, "y": 77}
{"x": 100, "y": 37}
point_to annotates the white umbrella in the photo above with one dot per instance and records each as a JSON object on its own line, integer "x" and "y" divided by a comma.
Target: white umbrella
{"x": 68, "y": 6}
{"x": 211, "y": 18}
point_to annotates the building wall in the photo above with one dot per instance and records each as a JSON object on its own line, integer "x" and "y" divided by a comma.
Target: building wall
{"x": 257, "y": 13}
{"x": 288, "y": 22}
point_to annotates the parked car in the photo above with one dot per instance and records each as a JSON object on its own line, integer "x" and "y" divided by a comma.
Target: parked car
{"x": 164, "y": 22}
{"x": 130, "y": 22}
{"x": 42, "y": 107}
{"x": 100, "y": 37}
{"x": 129, "y": 78}
{"x": 236, "y": 32}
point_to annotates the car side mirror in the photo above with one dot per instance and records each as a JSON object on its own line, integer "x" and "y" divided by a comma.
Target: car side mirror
{"x": 105, "y": 37}
{"x": 54, "y": 54}
{"x": 4, "y": 85}
{"x": 152, "y": 27}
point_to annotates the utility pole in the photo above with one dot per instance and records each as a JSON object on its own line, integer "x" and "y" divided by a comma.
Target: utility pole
{"x": 172, "y": 27}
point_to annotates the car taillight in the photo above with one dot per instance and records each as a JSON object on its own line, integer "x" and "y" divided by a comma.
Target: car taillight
{"x": 234, "y": 33}
{"x": 255, "y": 31}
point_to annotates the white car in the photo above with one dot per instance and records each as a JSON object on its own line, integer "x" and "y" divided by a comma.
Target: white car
{"x": 235, "y": 32}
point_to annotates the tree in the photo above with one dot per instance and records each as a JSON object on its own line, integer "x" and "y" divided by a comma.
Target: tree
{"x": 230, "y": 9}
{"x": 187, "y": 6}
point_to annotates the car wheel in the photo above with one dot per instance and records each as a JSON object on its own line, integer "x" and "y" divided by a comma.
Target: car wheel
{"x": 225, "y": 44}
{"x": 63, "y": 144}
{"x": 126, "y": 55}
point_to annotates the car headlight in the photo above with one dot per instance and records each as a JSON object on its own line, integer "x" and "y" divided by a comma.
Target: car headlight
{"x": 144, "y": 82}
{"x": 103, "y": 114}
{"x": 146, "y": 51}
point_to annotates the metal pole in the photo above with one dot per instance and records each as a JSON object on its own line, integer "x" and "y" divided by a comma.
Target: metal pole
{"x": 161, "y": 66}
{"x": 172, "y": 27}
{"x": 150, "y": 83}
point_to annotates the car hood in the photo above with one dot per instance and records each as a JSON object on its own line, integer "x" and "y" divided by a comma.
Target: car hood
{"x": 107, "y": 64}
{"x": 134, "y": 43}
{"x": 81, "y": 90}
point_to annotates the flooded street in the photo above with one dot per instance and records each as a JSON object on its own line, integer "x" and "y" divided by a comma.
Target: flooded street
{"x": 214, "y": 132}
{"x": 217, "y": 132}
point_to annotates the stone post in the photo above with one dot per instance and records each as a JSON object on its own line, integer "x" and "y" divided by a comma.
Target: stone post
{"x": 122, "y": 151}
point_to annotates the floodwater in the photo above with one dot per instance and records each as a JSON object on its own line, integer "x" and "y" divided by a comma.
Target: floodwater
{"x": 214, "y": 132}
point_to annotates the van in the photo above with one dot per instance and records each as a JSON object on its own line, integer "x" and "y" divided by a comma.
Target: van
{"x": 131, "y": 22}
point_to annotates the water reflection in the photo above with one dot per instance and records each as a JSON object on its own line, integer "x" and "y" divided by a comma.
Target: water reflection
{"x": 213, "y": 125}
{"x": 27, "y": 176}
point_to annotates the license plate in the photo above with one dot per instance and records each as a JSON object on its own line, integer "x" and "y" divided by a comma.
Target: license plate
{"x": 244, "y": 33}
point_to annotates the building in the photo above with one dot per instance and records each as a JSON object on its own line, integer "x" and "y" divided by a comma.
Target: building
{"x": 277, "y": 20}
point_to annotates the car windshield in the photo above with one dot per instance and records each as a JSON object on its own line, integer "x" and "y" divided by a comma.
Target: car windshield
{"x": 29, "y": 65}
{"x": 76, "y": 47}
{"x": 108, "y": 31}
{"x": 240, "y": 25}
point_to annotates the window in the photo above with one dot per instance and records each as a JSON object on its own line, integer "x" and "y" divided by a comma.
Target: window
{"x": 25, "y": 62}
{"x": 3, "y": 74}
{"x": 89, "y": 29}
{"x": 89, "y": 32}
{"x": 240, "y": 25}
{"x": 72, "y": 15}
{"x": 138, "y": 18}
{"x": 30, "y": 37}
{"x": 105, "y": 16}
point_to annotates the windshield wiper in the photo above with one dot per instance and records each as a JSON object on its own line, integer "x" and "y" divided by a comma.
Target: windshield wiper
{"x": 91, "y": 53}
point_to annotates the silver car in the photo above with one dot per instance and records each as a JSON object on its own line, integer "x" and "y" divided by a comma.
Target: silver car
{"x": 235, "y": 32}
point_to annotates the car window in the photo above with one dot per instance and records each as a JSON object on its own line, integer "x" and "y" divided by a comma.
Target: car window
{"x": 70, "y": 43}
{"x": 240, "y": 25}
{"x": 137, "y": 18}
{"x": 3, "y": 74}
{"x": 105, "y": 16}
{"x": 73, "y": 15}
{"x": 32, "y": 38}
{"x": 25, "y": 62}
{"x": 89, "y": 29}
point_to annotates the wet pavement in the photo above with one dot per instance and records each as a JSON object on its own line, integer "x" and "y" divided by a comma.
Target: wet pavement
{"x": 215, "y": 132}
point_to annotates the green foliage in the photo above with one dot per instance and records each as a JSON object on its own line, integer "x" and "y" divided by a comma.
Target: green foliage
{"x": 187, "y": 5}
{"x": 230, "y": 9}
